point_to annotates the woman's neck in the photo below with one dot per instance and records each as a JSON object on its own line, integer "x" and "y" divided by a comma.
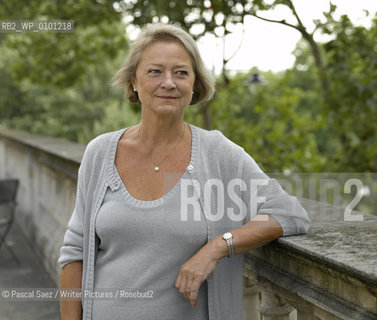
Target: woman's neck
{"x": 159, "y": 131}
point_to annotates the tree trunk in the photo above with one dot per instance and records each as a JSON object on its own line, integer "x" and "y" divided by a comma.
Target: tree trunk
{"x": 317, "y": 59}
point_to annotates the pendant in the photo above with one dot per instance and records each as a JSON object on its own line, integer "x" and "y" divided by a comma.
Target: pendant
{"x": 156, "y": 169}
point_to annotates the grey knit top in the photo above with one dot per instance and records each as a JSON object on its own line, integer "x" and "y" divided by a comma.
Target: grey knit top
{"x": 142, "y": 247}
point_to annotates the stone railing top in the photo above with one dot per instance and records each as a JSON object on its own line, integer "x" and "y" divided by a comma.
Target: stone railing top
{"x": 348, "y": 246}
{"x": 61, "y": 148}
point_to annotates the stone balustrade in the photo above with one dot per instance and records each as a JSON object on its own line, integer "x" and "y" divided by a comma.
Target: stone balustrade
{"x": 330, "y": 273}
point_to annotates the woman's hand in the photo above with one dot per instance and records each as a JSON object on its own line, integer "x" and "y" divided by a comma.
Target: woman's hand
{"x": 195, "y": 270}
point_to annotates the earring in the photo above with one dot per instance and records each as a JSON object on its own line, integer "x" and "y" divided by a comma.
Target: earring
{"x": 135, "y": 90}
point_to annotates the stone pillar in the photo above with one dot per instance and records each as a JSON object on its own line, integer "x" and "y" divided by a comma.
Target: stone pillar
{"x": 274, "y": 307}
{"x": 250, "y": 299}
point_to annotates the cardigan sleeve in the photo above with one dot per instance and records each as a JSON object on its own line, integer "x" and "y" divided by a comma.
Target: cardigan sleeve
{"x": 72, "y": 248}
{"x": 264, "y": 195}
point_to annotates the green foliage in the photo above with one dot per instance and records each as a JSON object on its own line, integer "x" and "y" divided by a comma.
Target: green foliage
{"x": 351, "y": 109}
{"x": 270, "y": 122}
{"x": 62, "y": 59}
{"x": 59, "y": 84}
{"x": 12, "y": 102}
{"x": 77, "y": 113}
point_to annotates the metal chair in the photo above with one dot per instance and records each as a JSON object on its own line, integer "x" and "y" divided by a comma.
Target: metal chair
{"x": 8, "y": 193}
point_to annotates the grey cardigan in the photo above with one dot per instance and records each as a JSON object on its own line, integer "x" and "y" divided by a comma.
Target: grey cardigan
{"x": 213, "y": 158}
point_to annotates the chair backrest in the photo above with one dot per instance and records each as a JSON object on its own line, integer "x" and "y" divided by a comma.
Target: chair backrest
{"x": 8, "y": 190}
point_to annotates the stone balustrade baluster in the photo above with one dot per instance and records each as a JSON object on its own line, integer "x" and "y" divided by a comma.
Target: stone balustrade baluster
{"x": 306, "y": 315}
{"x": 251, "y": 298}
{"x": 274, "y": 307}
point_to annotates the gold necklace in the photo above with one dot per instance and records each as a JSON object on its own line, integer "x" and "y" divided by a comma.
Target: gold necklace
{"x": 157, "y": 166}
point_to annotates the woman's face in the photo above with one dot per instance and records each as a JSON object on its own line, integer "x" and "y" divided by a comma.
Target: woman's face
{"x": 165, "y": 78}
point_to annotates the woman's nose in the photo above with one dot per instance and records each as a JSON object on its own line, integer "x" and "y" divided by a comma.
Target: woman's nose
{"x": 168, "y": 81}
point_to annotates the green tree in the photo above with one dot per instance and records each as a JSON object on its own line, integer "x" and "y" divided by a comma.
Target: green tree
{"x": 346, "y": 114}
{"x": 269, "y": 122}
{"x": 59, "y": 84}
{"x": 62, "y": 59}
{"x": 351, "y": 108}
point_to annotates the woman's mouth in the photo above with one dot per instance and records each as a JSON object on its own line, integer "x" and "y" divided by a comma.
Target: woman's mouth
{"x": 167, "y": 97}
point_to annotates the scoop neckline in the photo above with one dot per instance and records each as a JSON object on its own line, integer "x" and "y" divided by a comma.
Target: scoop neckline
{"x": 130, "y": 199}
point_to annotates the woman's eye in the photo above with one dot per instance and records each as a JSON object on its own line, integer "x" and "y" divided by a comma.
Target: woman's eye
{"x": 154, "y": 71}
{"x": 182, "y": 73}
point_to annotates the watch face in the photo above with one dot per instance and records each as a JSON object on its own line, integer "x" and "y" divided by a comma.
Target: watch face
{"x": 227, "y": 235}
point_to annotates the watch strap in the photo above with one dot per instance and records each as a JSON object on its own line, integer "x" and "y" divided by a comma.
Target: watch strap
{"x": 229, "y": 242}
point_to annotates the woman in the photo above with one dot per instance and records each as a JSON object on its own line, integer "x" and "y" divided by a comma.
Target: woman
{"x": 161, "y": 204}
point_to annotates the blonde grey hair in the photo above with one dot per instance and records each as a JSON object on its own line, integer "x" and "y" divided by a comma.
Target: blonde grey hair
{"x": 204, "y": 86}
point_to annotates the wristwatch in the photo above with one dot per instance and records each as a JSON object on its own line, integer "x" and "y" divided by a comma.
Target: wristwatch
{"x": 228, "y": 237}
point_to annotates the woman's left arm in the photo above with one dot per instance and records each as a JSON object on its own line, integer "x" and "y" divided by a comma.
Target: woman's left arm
{"x": 270, "y": 213}
{"x": 259, "y": 231}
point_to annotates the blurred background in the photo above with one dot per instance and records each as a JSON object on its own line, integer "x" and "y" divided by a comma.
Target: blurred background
{"x": 295, "y": 79}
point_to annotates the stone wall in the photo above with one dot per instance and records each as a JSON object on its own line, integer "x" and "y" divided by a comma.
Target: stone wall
{"x": 47, "y": 170}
